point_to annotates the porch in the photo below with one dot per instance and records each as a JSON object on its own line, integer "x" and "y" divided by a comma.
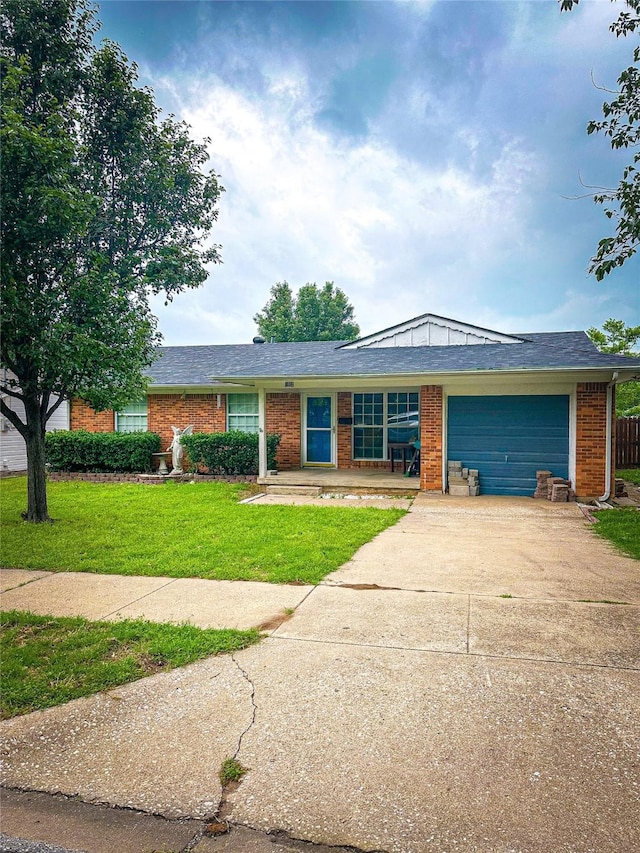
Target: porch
{"x": 315, "y": 481}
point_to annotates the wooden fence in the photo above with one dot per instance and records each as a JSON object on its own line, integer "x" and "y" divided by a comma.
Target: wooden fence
{"x": 628, "y": 442}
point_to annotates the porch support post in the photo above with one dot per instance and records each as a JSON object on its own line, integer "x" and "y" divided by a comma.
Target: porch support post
{"x": 262, "y": 432}
{"x": 431, "y": 430}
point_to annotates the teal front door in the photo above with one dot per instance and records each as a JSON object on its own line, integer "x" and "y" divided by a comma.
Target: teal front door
{"x": 319, "y": 430}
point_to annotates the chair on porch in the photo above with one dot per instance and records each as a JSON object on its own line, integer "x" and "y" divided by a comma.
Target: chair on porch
{"x": 414, "y": 466}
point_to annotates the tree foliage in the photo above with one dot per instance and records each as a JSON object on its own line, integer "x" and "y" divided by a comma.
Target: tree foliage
{"x": 616, "y": 337}
{"x": 104, "y": 204}
{"x": 621, "y": 123}
{"x": 317, "y": 314}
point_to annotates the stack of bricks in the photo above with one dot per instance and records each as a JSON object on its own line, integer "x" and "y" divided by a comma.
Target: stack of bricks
{"x": 559, "y": 490}
{"x": 542, "y": 490}
{"x": 555, "y": 489}
{"x": 463, "y": 482}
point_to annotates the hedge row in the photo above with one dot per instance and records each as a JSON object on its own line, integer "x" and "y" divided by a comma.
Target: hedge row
{"x": 101, "y": 452}
{"x": 227, "y": 452}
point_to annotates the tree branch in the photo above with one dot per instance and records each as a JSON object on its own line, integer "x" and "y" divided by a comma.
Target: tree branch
{"x": 54, "y": 407}
{"x": 13, "y": 418}
{"x": 5, "y": 389}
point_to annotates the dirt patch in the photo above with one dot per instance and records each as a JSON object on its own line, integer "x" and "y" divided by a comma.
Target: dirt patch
{"x": 632, "y": 491}
{"x": 274, "y": 622}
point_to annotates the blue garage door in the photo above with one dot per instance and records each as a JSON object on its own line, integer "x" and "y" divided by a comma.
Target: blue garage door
{"x": 508, "y": 439}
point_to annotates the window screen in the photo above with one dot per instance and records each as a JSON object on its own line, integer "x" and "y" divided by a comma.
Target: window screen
{"x": 132, "y": 418}
{"x": 242, "y": 412}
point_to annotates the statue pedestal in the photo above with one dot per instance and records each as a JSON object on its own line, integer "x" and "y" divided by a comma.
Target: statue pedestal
{"x": 162, "y": 466}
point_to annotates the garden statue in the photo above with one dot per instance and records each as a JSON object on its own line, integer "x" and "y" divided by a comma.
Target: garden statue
{"x": 177, "y": 448}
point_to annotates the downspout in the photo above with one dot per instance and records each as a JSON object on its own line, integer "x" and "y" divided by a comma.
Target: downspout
{"x": 609, "y": 439}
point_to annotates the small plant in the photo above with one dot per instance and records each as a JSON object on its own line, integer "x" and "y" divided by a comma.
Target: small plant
{"x": 231, "y": 771}
{"x": 506, "y": 595}
{"x": 601, "y": 601}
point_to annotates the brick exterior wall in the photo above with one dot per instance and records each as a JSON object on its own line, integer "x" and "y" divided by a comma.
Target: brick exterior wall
{"x": 591, "y": 422}
{"x": 82, "y": 416}
{"x": 283, "y": 416}
{"x": 201, "y": 410}
{"x": 431, "y": 437}
{"x": 344, "y": 407}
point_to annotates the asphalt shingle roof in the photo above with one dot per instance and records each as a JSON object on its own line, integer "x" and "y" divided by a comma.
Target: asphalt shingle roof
{"x": 201, "y": 365}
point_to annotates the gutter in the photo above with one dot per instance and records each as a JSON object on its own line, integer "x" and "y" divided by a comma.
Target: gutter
{"x": 609, "y": 439}
{"x": 417, "y": 374}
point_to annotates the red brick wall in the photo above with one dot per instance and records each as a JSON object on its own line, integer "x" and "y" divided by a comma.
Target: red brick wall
{"x": 201, "y": 410}
{"x": 344, "y": 430}
{"x": 82, "y": 416}
{"x": 283, "y": 417}
{"x": 431, "y": 437}
{"x": 591, "y": 420}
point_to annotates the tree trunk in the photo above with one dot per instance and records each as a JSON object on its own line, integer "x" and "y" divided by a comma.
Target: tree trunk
{"x": 36, "y": 472}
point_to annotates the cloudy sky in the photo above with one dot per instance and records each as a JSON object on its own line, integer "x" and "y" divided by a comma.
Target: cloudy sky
{"x": 421, "y": 155}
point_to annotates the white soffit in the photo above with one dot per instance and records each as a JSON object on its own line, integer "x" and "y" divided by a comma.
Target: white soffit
{"x": 430, "y": 330}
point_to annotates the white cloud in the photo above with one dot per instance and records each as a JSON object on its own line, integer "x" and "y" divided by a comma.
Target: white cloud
{"x": 575, "y": 311}
{"x": 399, "y": 237}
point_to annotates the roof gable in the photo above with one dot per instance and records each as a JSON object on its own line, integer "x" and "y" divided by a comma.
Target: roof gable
{"x": 431, "y": 330}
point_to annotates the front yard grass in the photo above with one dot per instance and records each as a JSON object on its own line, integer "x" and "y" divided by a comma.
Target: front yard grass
{"x": 631, "y": 475}
{"x": 47, "y": 661}
{"x": 622, "y": 527}
{"x": 181, "y": 530}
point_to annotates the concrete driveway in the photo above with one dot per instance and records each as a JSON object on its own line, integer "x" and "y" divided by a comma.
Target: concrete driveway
{"x": 460, "y": 685}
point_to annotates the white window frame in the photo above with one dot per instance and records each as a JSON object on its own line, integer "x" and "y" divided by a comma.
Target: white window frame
{"x": 384, "y": 426}
{"x": 123, "y": 417}
{"x": 233, "y": 428}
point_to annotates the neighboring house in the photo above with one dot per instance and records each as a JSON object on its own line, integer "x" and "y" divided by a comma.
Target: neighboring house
{"x": 505, "y": 404}
{"x": 13, "y": 452}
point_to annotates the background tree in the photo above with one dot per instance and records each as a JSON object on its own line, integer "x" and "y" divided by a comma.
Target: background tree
{"x": 276, "y": 319}
{"x": 103, "y": 205}
{"x": 616, "y": 337}
{"x": 621, "y": 123}
{"x": 317, "y": 314}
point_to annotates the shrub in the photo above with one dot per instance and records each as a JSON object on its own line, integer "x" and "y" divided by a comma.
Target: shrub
{"x": 227, "y": 452}
{"x": 104, "y": 452}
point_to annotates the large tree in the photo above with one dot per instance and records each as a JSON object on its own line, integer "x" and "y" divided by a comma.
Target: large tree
{"x": 616, "y": 337}
{"x": 621, "y": 123}
{"x": 104, "y": 204}
{"x": 316, "y": 314}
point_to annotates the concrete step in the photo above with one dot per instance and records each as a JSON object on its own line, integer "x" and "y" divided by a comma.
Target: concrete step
{"x": 310, "y": 491}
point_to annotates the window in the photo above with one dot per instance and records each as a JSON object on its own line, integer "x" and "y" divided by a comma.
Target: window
{"x": 403, "y": 417}
{"x": 242, "y": 412}
{"x": 132, "y": 418}
{"x": 379, "y": 418}
{"x": 368, "y": 426}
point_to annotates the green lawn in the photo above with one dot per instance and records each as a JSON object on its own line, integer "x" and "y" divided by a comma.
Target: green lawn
{"x": 181, "y": 530}
{"x": 631, "y": 475}
{"x": 622, "y": 527}
{"x": 47, "y": 661}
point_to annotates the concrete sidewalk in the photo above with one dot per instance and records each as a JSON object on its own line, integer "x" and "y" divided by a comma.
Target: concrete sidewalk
{"x": 205, "y": 603}
{"x": 461, "y": 684}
